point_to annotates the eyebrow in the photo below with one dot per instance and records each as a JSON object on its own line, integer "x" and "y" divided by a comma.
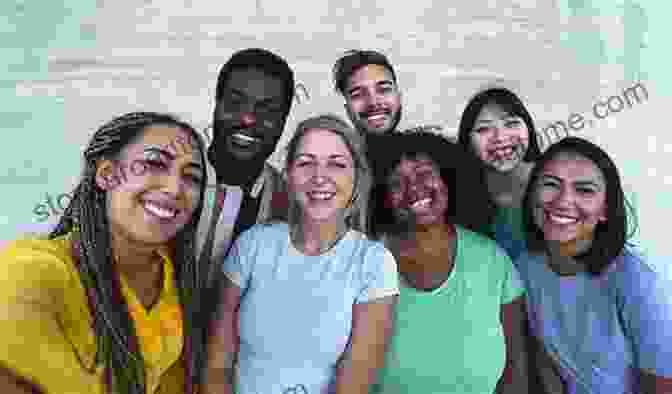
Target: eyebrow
{"x": 579, "y": 183}
{"x": 384, "y": 82}
{"x": 312, "y": 156}
{"x": 508, "y": 116}
{"x": 260, "y": 99}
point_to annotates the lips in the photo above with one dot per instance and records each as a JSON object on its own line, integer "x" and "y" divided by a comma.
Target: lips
{"x": 376, "y": 116}
{"x": 321, "y": 195}
{"x": 421, "y": 204}
{"x": 504, "y": 152}
{"x": 560, "y": 219}
{"x": 244, "y": 140}
{"x": 162, "y": 211}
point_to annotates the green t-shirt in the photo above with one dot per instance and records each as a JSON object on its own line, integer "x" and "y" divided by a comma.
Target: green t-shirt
{"x": 450, "y": 340}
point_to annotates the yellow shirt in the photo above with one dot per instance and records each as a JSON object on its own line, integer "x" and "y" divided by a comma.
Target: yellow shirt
{"x": 45, "y": 323}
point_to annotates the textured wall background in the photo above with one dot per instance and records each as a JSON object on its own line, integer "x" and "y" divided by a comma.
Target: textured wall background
{"x": 70, "y": 67}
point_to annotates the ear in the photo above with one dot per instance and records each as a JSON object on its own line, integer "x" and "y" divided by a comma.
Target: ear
{"x": 106, "y": 177}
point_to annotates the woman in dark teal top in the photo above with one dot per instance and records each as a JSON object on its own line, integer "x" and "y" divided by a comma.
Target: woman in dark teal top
{"x": 497, "y": 128}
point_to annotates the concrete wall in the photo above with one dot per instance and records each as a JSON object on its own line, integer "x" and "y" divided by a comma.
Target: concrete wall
{"x": 74, "y": 66}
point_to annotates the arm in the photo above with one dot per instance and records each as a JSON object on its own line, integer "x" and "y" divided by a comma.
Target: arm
{"x": 650, "y": 383}
{"x": 10, "y": 383}
{"x": 34, "y": 353}
{"x": 371, "y": 330}
{"x": 546, "y": 369}
{"x": 222, "y": 346}
{"x": 514, "y": 319}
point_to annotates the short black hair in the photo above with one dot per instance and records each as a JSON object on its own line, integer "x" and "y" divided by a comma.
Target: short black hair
{"x": 352, "y": 61}
{"x": 611, "y": 236}
{"x": 511, "y": 104}
{"x": 266, "y": 61}
{"x": 469, "y": 203}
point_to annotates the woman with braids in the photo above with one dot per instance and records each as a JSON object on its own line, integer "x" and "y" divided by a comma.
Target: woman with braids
{"x": 107, "y": 302}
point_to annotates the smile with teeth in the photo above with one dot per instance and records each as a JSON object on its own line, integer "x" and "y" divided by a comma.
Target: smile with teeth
{"x": 161, "y": 212}
{"x": 323, "y": 196}
{"x": 245, "y": 140}
{"x": 560, "y": 219}
{"x": 422, "y": 203}
{"x": 377, "y": 116}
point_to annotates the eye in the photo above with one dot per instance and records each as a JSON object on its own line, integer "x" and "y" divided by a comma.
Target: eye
{"x": 303, "y": 163}
{"x": 155, "y": 164}
{"x": 514, "y": 123}
{"x": 549, "y": 184}
{"x": 338, "y": 165}
{"x": 386, "y": 89}
{"x": 481, "y": 130}
{"x": 585, "y": 190}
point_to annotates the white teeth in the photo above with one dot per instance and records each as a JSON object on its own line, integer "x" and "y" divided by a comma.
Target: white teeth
{"x": 321, "y": 195}
{"x": 243, "y": 139}
{"x": 421, "y": 203}
{"x": 376, "y": 117}
{"x": 160, "y": 211}
{"x": 562, "y": 219}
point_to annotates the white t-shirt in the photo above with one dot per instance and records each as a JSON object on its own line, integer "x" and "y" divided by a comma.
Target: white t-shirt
{"x": 296, "y": 310}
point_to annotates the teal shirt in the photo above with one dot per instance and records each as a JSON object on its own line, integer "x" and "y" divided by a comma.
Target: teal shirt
{"x": 450, "y": 340}
{"x": 509, "y": 232}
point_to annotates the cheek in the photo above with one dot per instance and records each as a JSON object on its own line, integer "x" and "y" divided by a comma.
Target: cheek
{"x": 356, "y": 106}
{"x": 395, "y": 103}
{"x": 478, "y": 142}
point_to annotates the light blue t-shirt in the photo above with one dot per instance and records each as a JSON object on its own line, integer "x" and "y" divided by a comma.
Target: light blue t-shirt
{"x": 602, "y": 330}
{"x": 296, "y": 310}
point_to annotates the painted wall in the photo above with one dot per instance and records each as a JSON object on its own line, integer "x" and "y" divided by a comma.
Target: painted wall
{"x": 71, "y": 67}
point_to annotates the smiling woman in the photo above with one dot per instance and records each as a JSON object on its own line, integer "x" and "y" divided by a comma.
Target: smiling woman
{"x": 121, "y": 250}
{"x": 600, "y": 309}
{"x": 341, "y": 285}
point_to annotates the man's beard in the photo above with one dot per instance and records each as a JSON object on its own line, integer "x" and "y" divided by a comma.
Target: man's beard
{"x": 393, "y": 126}
{"x": 232, "y": 170}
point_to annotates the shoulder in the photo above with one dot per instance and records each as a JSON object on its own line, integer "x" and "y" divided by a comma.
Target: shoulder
{"x": 267, "y": 232}
{"x": 635, "y": 274}
{"x": 474, "y": 243}
{"x": 373, "y": 252}
{"x": 35, "y": 265}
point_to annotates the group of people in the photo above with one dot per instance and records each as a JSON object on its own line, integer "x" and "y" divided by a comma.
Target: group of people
{"x": 375, "y": 261}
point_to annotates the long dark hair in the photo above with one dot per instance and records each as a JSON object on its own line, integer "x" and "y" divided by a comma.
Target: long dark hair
{"x": 511, "y": 104}
{"x": 610, "y": 237}
{"x": 86, "y": 218}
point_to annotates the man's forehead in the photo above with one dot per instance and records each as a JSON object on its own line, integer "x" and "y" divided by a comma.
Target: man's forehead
{"x": 255, "y": 82}
{"x": 370, "y": 73}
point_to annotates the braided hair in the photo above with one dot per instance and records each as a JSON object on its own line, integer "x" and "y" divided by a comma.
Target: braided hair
{"x": 86, "y": 217}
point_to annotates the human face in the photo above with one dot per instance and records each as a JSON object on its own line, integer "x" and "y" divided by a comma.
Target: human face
{"x": 499, "y": 139}
{"x": 570, "y": 200}
{"x": 321, "y": 176}
{"x": 417, "y": 192}
{"x": 373, "y": 101}
{"x": 161, "y": 188}
{"x": 249, "y": 117}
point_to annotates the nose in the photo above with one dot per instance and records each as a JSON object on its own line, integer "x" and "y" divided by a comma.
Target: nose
{"x": 319, "y": 175}
{"x": 564, "y": 198}
{"x": 172, "y": 184}
{"x": 248, "y": 119}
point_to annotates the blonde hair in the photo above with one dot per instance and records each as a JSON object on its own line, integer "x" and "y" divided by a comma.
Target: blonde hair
{"x": 356, "y": 216}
